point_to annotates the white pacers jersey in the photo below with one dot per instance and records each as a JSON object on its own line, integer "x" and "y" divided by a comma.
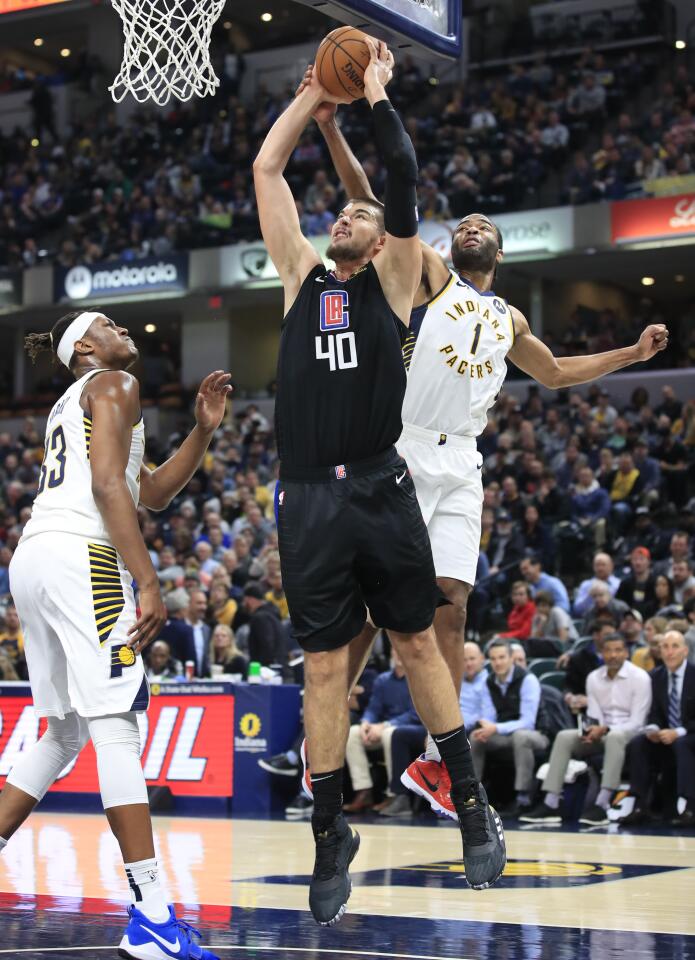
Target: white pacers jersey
{"x": 64, "y": 502}
{"x": 455, "y": 357}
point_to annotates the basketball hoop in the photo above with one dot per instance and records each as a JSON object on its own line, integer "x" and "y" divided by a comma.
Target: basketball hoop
{"x": 166, "y": 49}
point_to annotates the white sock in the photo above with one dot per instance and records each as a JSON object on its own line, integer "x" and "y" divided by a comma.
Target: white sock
{"x": 604, "y": 798}
{"x": 3, "y": 844}
{"x": 552, "y": 800}
{"x": 432, "y": 751}
{"x": 146, "y": 891}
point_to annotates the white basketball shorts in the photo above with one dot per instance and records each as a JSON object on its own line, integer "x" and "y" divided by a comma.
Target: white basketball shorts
{"x": 447, "y": 471}
{"x": 76, "y": 604}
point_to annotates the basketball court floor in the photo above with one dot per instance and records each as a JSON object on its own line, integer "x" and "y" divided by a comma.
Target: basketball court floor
{"x": 566, "y": 895}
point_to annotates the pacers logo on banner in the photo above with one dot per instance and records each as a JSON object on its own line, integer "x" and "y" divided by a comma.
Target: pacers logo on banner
{"x": 335, "y": 314}
{"x": 249, "y": 742}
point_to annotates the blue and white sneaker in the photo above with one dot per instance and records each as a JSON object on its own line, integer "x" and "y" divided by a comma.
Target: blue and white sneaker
{"x": 145, "y": 940}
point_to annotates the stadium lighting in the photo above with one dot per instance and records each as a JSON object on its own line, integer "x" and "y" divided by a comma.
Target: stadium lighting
{"x": 34, "y": 142}
{"x": 681, "y": 44}
{"x": 679, "y": 278}
{"x": 65, "y": 52}
{"x": 266, "y": 17}
{"x": 227, "y": 25}
{"x": 648, "y": 281}
{"x": 150, "y": 328}
{"x": 433, "y": 81}
{"x": 38, "y": 42}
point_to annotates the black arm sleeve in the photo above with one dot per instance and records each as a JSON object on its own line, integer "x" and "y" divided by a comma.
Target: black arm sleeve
{"x": 398, "y": 156}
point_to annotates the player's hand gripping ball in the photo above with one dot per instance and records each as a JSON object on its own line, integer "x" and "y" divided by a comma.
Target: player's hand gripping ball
{"x": 341, "y": 60}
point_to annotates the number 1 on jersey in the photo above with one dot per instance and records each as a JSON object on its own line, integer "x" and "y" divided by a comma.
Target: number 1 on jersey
{"x": 476, "y": 338}
{"x": 341, "y": 351}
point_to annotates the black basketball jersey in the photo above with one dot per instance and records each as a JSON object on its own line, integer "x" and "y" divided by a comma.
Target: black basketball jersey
{"x": 341, "y": 378}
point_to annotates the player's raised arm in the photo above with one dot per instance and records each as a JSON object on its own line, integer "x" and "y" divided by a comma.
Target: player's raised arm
{"x": 533, "y": 357}
{"x": 435, "y": 272}
{"x": 158, "y": 487}
{"x": 289, "y": 249}
{"x": 399, "y": 264}
{"x": 114, "y": 406}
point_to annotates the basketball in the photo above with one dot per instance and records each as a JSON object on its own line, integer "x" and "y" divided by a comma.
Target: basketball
{"x": 341, "y": 60}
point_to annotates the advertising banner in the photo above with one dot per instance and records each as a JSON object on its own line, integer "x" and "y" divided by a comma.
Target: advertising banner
{"x": 13, "y": 6}
{"x": 661, "y": 218}
{"x": 528, "y": 232}
{"x": 187, "y": 736}
{"x": 118, "y": 278}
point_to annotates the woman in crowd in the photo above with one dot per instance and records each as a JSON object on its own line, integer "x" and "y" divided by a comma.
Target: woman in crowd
{"x": 225, "y": 653}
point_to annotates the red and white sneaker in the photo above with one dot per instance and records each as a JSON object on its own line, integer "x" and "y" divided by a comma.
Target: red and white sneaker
{"x": 430, "y": 779}
{"x": 307, "y": 789}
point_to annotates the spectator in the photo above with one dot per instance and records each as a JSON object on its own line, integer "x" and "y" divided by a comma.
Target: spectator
{"x": 533, "y": 574}
{"x": 581, "y": 662}
{"x": 521, "y": 615}
{"x": 223, "y": 609}
{"x": 506, "y": 546}
{"x": 161, "y": 666}
{"x": 266, "y": 636}
{"x": 689, "y": 612}
{"x": 590, "y": 504}
{"x": 276, "y": 595}
{"x": 625, "y": 489}
{"x": 631, "y": 629}
{"x": 5, "y": 557}
{"x": 673, "y": 461}
{"x": 603, "y": 575}
{"x": 679, "y": 549}
{"x": 683, "y": 581}
{"x": 619, "y": 697}
{"x": 664, "y": 594}
{"x": 649, "y": 657}
{"x": 551, "y": 622}
{"x": 519, "y": 658}
{"x": 177, "y": 632}
{"x": 474, "y": 679}
{"x": 603, "y": 606}
{"x": 389, "y": 706}
{"x": 509, "y": 720}
{"x": 666, "y": 747}
{"x": 12, "y": 639}
{"x": 197, "y": 609}
{"x": 637, "y": 589}
{"x": 604, "y": 413}
{"x": 225, "y": 653}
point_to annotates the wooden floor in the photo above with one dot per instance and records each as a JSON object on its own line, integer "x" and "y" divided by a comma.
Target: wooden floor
{"x": 593, "y": 895}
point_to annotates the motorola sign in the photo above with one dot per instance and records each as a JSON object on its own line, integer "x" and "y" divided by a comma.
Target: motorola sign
{"x": 100, "y": 281}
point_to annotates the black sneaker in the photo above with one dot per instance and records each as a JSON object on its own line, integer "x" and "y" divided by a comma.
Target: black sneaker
{"x": 280, "y": 764}
{"x": 301, "y": 806}
{"x": 331, "y": 886}
{"x": 595, "y": 817}
{"x": 484, "y": 849}
{"x": 541, "y": 813}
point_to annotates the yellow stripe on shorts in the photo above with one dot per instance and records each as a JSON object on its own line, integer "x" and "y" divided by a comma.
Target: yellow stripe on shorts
{"x": 107, "y": 590}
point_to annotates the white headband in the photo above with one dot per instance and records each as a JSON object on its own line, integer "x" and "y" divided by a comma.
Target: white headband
{"x": 77, "y": 329}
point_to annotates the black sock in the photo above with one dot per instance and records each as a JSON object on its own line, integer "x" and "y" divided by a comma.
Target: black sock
{"x": 328, "y": 798}
{"x": 455, "y": 751}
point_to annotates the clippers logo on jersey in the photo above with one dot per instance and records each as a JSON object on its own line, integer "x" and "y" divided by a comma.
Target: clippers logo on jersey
{"x": 340, "y": 472}
{"x": 335, "y": 314}
{"x": 107, "y": 589}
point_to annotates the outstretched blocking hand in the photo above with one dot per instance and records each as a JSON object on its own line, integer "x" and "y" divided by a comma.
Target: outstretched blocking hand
{"x": 211, "y": 400}
{"x": 654, "y": 339}
{"x": 326, "y": 110}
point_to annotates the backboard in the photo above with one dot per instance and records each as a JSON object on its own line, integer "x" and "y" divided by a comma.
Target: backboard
{"x": 432, "y": 24}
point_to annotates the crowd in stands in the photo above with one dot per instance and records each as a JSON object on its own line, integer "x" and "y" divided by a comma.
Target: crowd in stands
{"x": 587, "y": 564}
{"x": 497, "y": 142}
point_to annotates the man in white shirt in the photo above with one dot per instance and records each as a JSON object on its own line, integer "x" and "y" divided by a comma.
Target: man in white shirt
{"x": 474, "y": 679}
{"x": 619, "y": 695}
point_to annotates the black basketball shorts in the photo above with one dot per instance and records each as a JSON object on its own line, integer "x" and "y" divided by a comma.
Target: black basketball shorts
{"x": 352, "y": 537}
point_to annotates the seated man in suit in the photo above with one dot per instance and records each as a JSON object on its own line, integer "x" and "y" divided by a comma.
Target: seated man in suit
{"x": 667, "y": 745}
{"x": 619, "y": 696}
{"x": 509, "y": 720}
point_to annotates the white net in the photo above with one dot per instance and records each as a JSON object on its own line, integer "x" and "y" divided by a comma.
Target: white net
{"x": 166, "y": 49}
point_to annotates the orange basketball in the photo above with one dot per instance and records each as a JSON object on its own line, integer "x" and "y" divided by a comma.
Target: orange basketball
{"x": 341, "y": 60}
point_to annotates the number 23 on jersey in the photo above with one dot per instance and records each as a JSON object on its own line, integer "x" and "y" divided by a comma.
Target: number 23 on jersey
{"x": 339, "y": 349}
